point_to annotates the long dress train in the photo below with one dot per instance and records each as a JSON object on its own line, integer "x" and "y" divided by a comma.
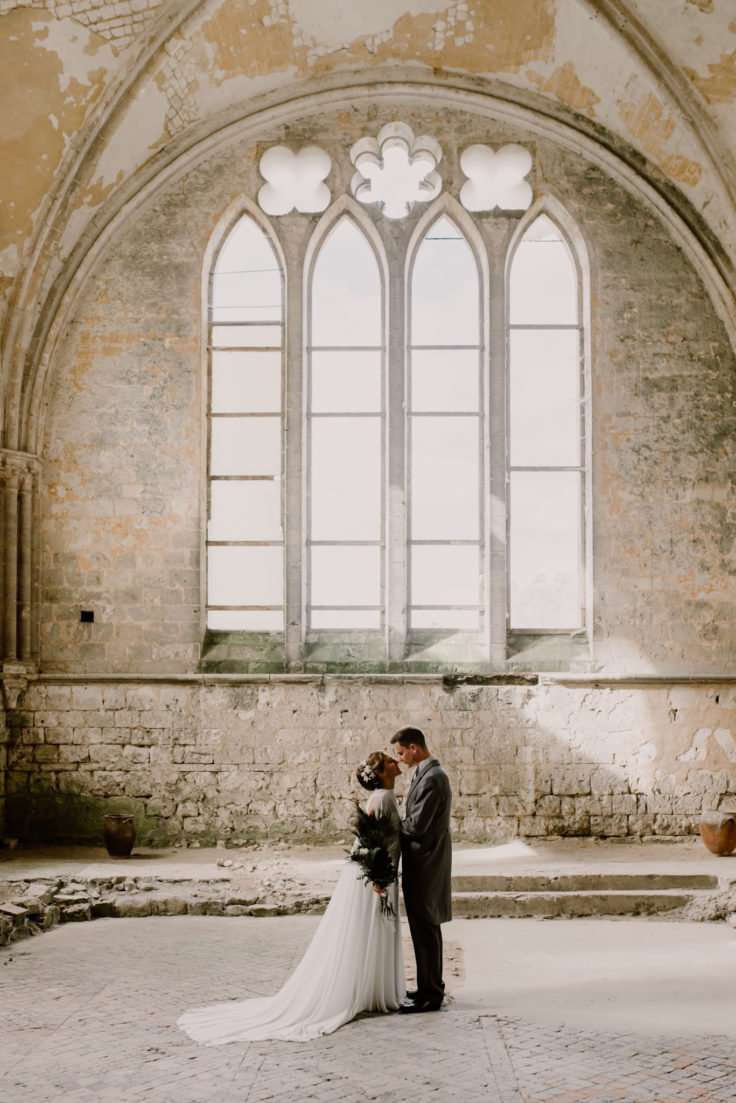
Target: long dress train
{"x": 354, "y": 963}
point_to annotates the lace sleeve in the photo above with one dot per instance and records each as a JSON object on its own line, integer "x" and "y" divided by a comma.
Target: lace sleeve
{"x": 383, "y": 803}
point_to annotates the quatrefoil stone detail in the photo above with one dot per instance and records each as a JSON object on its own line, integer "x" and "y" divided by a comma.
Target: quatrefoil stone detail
{"x": 294, "y": 180}
{"x": 496, "y": 178}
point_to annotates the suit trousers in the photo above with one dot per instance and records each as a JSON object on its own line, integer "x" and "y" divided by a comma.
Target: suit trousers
{"x": 427, "y": 940}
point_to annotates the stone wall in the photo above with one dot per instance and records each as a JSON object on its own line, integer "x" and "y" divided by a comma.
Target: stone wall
{"x": 3, "y": 767}
{"x": 275, "y": 759}
{"x": 125, "y": 451}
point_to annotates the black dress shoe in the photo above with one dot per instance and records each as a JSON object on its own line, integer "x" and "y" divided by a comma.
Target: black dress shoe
{"x": 413, "y": 995}
{"x": 418, "y": 1007}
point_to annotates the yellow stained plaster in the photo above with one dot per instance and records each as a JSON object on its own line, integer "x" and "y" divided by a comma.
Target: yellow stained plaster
{"x": 648, "y": 124}
{"x": 43, "y": 106}
{"x": 720, "y": 85}
{"x": 566, "y": 86}
{"x": 495, "y": 36}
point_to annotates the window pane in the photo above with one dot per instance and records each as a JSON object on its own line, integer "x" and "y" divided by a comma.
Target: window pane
{"x": 245, "y": 510}
{"x": 545, "y": 549}
{"x": 346, "y": 382}
{"x": 346, "y": 576}
{"x": 346, "y": 290}
{"x": 543, "y": 286}
{"x": 246, "y": 382}
{"x": 246, "y": 620}
{"x": 246, "y": 297}
{"x": 244, "y": 337}
{"x": 444, "y": 284}
{"x": 444, "y": 379}
{"x": 545, "y": 397}
{"x": 245, "y": 576}
{"x": 245, "y": 446}
{"x": 246, "y": 282}
{"x": 327, "y": 619}
{"x": 467, "y": 619}
{"x": 346, "y": 478}
{"x": 444, "y": 478}
{"x": 445, "y": 575}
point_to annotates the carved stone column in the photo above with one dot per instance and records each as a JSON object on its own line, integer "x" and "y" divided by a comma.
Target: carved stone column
{"x": 19, "y": 494}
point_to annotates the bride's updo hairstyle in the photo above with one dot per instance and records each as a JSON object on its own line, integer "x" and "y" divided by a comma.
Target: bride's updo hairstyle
{"x": 369, "y": 770}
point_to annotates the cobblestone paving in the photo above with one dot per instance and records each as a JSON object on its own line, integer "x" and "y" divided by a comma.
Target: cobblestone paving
{"x": 88, "y": 1011}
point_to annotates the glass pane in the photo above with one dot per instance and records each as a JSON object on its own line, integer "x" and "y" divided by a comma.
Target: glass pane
{"x": 545, "y": 549}
{"x": 249, "y": 296}
{"x": 346, "y": 290}
{"x": 545, "y": 397}
{"x": 444, "y": 379}
{"x": 245, "y": 446}
{"x": 543, "y": 286}
{"x": 245, "y": 576}
{"x": 468, "y": 619}
{"x": 244, "y": 337}
{"x": 246, "y": 620}
{"x": 346, "y": 576}
{"x": 245, "y": 511}
{"x": 445, "y": 575}
{"x": 246, "y": 382}
{"x": 445, "y": 464}
{"x": 346, "y": 382}
{"x": 246, "y": 247}
{"x": 346, "y": 478}
{"x": 345, "y": 618}
{"x": 445, "y": 306}
{"x": 246, "y": 281}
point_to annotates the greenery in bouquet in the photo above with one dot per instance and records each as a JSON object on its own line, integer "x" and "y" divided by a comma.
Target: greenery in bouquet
{"x": 371, "y": 853}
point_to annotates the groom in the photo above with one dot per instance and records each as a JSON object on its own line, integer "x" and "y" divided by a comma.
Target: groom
{"x": 426, "y": 854}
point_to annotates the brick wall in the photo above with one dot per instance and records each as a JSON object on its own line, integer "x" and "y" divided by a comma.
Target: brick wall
{"x": 272, "y": 759}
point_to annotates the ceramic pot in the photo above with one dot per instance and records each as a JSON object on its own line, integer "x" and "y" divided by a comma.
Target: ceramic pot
{"x": 118, "y": 833}
{"x": 718, "y": 832}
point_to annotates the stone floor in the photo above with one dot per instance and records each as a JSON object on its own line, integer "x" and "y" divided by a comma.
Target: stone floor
{"x": 570, "y": 1011}
{"x": 564, "y": 1011}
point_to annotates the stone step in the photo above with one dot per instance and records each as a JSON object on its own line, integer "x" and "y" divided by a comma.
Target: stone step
{"x": 550, "y": 905}
{"x": 582, "y": 882}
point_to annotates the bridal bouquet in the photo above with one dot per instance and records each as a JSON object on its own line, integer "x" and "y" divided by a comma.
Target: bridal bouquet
{"x": 371, "y": 852}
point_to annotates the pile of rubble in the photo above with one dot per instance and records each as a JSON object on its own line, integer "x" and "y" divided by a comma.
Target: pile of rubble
{"x": 29, "y": 907}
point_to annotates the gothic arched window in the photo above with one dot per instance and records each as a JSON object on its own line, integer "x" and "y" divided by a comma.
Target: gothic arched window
{"x": 397, "y": 478}
{"x": 546, "y": 434}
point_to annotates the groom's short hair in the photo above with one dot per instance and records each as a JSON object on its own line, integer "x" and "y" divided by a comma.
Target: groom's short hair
{"x": 407, "y": 736}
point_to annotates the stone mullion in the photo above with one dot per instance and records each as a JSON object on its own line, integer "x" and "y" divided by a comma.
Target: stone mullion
{"x": 293, "y": 473}
{"x": 397, "y": 532}
{"x": 497, "y": 527}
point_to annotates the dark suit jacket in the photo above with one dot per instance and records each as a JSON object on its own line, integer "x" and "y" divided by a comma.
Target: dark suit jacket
{"x": 426, "y": 847}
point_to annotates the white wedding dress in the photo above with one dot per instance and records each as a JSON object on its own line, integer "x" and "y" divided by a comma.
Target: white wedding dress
{"x": 354, "y": 963}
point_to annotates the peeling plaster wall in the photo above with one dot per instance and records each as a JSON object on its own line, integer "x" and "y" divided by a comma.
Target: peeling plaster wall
{"x": 51, "y": 73}
{"x": 227, "y": 53}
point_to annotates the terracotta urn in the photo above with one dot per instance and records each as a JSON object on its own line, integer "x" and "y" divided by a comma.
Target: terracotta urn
{"x": 118, "y": 833}
{"x": 718, "y": 832}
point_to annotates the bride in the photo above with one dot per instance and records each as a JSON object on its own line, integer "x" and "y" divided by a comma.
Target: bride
{"x": 354, "y": 962}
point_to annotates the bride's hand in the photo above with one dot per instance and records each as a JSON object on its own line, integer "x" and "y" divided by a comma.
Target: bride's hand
{"x": 380, "y": 892}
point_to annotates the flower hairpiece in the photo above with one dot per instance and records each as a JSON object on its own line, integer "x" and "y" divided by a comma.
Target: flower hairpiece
{"x": 367, "y": 772}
